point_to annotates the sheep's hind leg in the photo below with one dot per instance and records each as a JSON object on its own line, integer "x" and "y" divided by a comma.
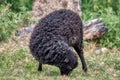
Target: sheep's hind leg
{"x": 79, "y": 50}
{"x": 40, "y": 67}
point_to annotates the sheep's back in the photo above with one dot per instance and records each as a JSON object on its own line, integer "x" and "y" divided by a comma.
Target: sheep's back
{"x": 61, "y": 25}
{"x": 61, "y": 22}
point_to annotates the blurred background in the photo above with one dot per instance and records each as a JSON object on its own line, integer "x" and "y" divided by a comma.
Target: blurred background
{"x": 102, "y": 55}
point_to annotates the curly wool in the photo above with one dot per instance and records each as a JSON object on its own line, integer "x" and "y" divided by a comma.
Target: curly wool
{"x": 54, "y": 35}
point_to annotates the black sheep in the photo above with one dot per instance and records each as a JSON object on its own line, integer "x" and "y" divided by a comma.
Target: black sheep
{"x": 52, "y": 38}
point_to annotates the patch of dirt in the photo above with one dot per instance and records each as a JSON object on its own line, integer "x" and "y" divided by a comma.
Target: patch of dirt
{"x": 44, "y": 7}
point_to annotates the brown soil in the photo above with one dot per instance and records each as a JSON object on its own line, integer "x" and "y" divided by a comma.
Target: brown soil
{"x": 44, "y": 7}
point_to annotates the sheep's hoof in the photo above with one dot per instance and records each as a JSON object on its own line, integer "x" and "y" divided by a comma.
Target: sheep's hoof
{"x": 40, "y": 67}
{"x": 85, "y": 69}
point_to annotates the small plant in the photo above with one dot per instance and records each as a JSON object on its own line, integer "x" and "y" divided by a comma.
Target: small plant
{"x": 19, "y": 5}
{"x": 109, "y": 10}
{"x": 10, "y": 20}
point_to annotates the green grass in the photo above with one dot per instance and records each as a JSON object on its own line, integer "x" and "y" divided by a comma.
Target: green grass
{"x": 109, "y": 11}
{"x": 19, "y": 5}
{"x": 10, "y": 21}
{"x": 19, "y": 64}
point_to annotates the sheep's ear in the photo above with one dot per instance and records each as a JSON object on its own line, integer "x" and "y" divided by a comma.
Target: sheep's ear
{"x": 66, "y": 60}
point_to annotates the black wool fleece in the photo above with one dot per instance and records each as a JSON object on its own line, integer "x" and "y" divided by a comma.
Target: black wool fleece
{"x": 52, "y": 38}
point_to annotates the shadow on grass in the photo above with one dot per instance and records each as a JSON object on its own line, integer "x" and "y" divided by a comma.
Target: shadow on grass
{"x": 49, "y": 70}
{"x": 52, "y": 73}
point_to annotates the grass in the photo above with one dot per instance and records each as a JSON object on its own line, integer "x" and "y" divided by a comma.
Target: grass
{"x": 10, "y": 21}
{"x": 19, "y": 5}
{"x": 109, "y": 11}
{"x": 16, "y": 63}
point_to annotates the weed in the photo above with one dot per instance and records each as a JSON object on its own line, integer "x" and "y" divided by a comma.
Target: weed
{"x": 109, "y": 10}
{"x": 10, "y": 21}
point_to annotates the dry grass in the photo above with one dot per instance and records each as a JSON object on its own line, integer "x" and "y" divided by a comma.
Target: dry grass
{"x": 17, "y": 64}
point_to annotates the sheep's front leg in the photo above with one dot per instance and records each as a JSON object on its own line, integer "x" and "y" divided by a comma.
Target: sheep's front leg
{"x": 40, "y": 67}
{"x": 79, "y": 50}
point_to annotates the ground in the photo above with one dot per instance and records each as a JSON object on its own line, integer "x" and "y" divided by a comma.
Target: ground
{"x": 44, "y": 7}
{"x": 16, "y": 63}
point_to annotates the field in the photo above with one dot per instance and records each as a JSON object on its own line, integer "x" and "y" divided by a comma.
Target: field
{"x": 16, "y": 63}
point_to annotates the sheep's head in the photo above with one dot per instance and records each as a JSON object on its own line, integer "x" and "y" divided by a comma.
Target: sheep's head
{"x": 69, "y": 63}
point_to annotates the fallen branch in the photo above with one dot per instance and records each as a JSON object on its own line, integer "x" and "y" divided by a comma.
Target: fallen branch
{"x": 91, "y": 30}
{"x": 94, "y": 29}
